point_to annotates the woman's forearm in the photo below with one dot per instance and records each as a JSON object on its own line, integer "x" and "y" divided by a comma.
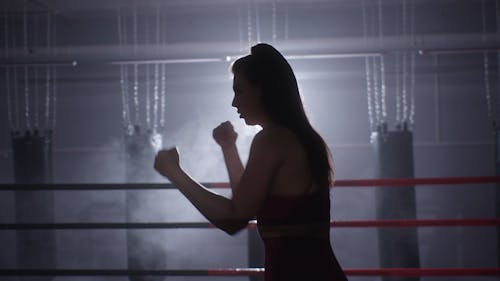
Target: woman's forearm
{"x": 216, "y": 208}
{"x": 234, "y": 165}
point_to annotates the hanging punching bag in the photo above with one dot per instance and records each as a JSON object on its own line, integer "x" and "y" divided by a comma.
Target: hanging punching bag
{"x": 394, "y": 159}
{"x": 33, "y": 165}
{"x": 144, "y": 250}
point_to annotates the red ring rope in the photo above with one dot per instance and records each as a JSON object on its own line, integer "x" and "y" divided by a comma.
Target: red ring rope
{"x": 399, "y": 182}
{"x": 414, "y": 272}
{"x": 252, "y": 224}
{"x": 416, "y": 181}
{"x": 402, "y": 272}
{"x": 395, "y": 182}
{"x": 418, "y": 223}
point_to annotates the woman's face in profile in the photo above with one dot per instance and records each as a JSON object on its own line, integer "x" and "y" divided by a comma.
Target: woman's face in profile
{"x": 247, "y": 100}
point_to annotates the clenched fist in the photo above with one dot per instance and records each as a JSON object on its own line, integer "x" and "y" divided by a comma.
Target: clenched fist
{"x": 224, "y": 134}
{"x": 167, "y": 162}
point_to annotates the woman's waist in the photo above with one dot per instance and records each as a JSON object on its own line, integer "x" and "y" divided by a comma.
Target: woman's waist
{"x": 320, "y": 230}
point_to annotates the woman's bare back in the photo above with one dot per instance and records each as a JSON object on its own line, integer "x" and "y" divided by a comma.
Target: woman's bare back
{"x": 293, "y": 176}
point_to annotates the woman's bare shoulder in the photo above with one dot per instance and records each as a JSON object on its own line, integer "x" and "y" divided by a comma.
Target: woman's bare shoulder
{"x": 273, "y": 139}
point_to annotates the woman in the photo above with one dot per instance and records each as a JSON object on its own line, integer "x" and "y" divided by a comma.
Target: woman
{"x": 286, "y": 181}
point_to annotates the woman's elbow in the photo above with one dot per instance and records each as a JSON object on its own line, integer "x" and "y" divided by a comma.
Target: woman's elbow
{"x": 232, "y": 227}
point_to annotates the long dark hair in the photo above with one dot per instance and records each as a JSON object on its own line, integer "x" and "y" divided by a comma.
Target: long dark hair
{"x": 266, "y": 68}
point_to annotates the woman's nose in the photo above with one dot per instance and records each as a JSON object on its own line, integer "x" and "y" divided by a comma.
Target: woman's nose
{"x": 233, "y": 103}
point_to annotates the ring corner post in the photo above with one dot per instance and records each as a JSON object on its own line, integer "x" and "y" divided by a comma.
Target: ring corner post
{"x": 255, "y": 249}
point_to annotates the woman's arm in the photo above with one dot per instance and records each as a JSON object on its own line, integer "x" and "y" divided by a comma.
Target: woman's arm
{"x": 218, "y": 209}
{"x": 230, "y": 215}
{"x": 225, "y": 136}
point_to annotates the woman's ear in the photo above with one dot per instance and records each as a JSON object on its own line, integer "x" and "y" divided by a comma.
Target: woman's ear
{"x": 258, "y": 89}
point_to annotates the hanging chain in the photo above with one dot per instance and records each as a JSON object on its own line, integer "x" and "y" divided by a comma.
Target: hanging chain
{"x": 487, "y": 88}
{"x": 122, "y": 81}
{"x": 136, "y": 67}
{"x": 367, "y": 70}
{"x": 369, "y": 93}
{"x": 249, "y": 24}
{"x": 383, "y": 106}
{"x": 26, "y": 70}
{"x": 398, "y": 87}
{"x": 496, "y": 104}
{"x": 148, "y": 97}
{"x": 9, "y": 99}
{"x": 124, "y": 95}
{"x": 126, "y": 76}
{"x": 124, "y": 73}
{"x": 136, "y": 94}
{"x": 35, "y": 74}
{"x": 486, "y": 64}
{"x": 412, "y": 65}
{"x": 383, "y": 94}
{"x": 48, "y": 75}
{"x": 54, "y": 96}
{"x": 162, "y": 96}
{"x": 7, "y": 73}
{"x": 17, "y": 115}
{"x": 47, "y": 96}
{"x": 376, "y": 92}
{"x": 155, "y": 97}
{"x": 26, "y": 99}
{"x": 16, "y": 100}
{"x": 412, "y": 90}
{"x": 404, "y": 94}
{"x": 397, "y": 69}
{"x": 375, "y": 72}
{"x": 163, "y": 85}
{"x": 35, "y": 87}
{"x": 148, "y": 79}
{"x": 156, "y": 75}
{"x": 126, "y": 88}
{"x": 54, "y": 75}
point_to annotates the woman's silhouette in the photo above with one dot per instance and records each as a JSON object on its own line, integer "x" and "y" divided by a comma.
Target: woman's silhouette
{"x": 287, "y": 178}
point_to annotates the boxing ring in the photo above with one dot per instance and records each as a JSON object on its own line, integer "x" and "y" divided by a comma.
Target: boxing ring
{"x": 228, "y": 272}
